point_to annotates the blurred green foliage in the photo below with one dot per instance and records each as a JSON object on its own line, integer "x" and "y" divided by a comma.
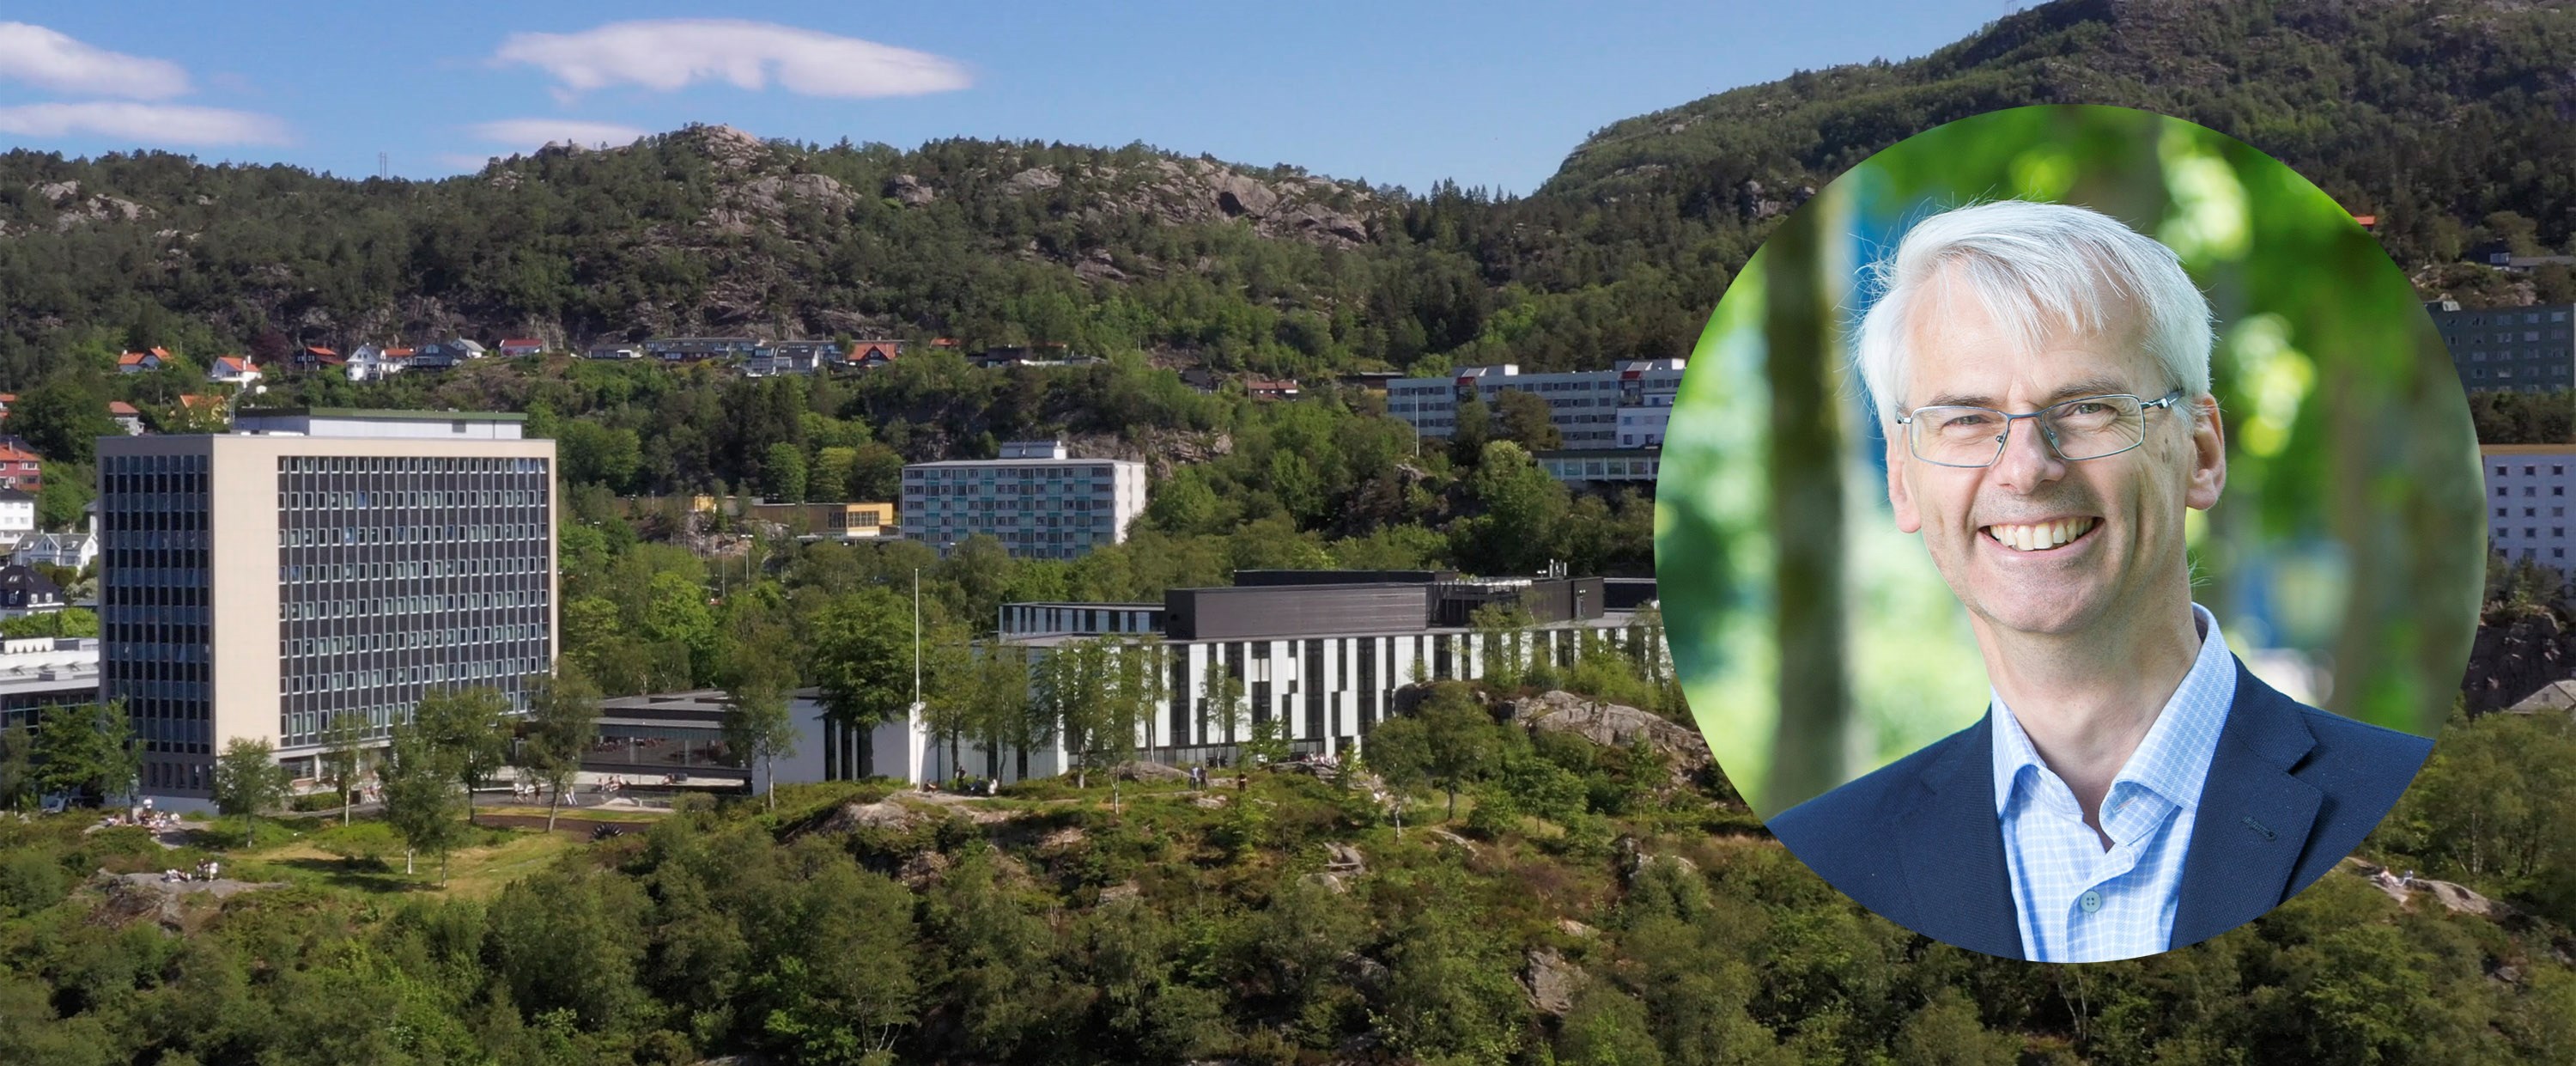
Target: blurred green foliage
{"x": 2349, "y": 535}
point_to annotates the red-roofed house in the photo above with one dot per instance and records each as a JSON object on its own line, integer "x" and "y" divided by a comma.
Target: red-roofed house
{"x": 127, "y": 417}
{"x": 866, "y": 354}
{"x": 521, "y": 346}
{"x": 233, "y": 370}
{"x": 1270, "y": 389}
{"x": 142, "y": 362}
{"x": 311, "y": 358}
{"x": 20, "y": 467}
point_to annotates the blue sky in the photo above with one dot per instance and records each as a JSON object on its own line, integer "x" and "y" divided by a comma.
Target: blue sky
{"x": 1490, "y": 94}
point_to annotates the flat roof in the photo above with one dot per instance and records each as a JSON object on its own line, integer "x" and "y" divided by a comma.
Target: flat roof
{"x": 367, "y": 412}
{"x": 1033, "y": 461}
{"x": 2526, "y": 449}
{"x": 1610, "y": 619}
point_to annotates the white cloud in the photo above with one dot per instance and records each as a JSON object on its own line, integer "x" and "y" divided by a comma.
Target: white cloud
{"x": 145, "y": 123}
{"x": 533, "y": 132}
{"x": 51, "y": 60}
{"x": 669, "y": 54}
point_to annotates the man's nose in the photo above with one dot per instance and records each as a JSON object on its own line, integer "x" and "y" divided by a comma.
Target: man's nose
{"x": 2028, "y": 461}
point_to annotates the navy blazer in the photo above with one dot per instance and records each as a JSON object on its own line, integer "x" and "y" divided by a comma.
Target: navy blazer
{"x": 2291, "y": 791}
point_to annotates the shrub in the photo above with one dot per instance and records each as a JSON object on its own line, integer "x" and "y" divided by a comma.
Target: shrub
{"x": 32, "y": 879}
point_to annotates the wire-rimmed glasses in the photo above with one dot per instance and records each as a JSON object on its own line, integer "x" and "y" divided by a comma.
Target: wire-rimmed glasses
{"x": 2087, "y": 427}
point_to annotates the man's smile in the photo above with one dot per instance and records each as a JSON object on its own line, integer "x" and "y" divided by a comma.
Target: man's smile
{"x": 2043, "y": 536}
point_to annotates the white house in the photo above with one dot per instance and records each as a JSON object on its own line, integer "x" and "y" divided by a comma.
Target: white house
{"x": 373, "y": 363}
{"x": 17, "y": 516}
{"x": 233, "y": 370}
{"x": 68, "y": 550}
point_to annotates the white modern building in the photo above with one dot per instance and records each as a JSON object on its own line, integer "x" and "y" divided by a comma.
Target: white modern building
{"x": 1036, "y": 499}
{"x": 1623, "y": 407}
{"x": 1321, "y": 653}
{"x": 2526, "y": 493}
{"x": 41, "y": 672}
{"x": 259, "y": 583}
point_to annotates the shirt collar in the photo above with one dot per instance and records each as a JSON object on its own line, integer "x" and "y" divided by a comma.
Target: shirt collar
{"x": 2172, "y": 760}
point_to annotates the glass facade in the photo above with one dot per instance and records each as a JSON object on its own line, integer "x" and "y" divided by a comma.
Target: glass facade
{"x": 398, "y": 575}
{"x": 155, "y": 622}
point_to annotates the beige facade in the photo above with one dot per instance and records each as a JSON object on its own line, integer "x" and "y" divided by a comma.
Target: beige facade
{"x": 336, "y": 573}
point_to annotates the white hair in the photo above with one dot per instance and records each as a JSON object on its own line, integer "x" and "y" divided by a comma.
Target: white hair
{"x": 2037, "y": 268}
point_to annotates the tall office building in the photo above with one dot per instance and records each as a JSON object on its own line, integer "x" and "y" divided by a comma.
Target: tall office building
{"x": 1036, "y": 499}
{"x": 254, "y": 584}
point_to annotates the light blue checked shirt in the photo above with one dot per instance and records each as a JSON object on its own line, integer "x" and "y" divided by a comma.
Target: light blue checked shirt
{"x": 2076, "y": 901}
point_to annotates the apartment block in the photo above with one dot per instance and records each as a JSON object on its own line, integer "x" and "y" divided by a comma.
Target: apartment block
{"x": 2519, "y": 349}
{"x": 258, "y": 583}
{"x": 2526, "y": 493}
{"x": 1627, "y": 406}
{"x": 1036, "y": 499}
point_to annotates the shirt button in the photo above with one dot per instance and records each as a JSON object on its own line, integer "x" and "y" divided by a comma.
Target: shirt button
{"x": 2090, "y": 901}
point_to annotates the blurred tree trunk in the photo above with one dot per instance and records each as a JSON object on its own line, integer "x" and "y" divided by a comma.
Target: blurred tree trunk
{"x": 1806, "y": 511}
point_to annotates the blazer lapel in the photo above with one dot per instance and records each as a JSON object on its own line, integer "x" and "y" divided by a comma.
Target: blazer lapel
{"x": 2254, "y": 817}
{"x": 1953, "y": 851}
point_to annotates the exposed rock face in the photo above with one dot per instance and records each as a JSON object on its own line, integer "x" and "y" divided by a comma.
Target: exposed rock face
{"x": 1034, "y": 179}
{"x": 1617, "y": 726}
{"x": 1176, "y": 192}
{"x": 1551, "y": 981}
{"x": 2513, "y": 657}
{"x": 910, "y": 191}
{"x": 883, "y": 814}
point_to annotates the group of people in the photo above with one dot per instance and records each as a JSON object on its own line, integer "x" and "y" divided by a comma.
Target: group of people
{"x": 528, "y": 790}
{"x": 207, "y": 870}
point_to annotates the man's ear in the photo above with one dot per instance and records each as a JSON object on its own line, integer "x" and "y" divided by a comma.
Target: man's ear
{"x": 1900, "y": 496}
{"x": 2208, "y": 455}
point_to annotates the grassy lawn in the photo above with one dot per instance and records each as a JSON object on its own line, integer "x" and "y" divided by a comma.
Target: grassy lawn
{"x": 472, "y": 873}
{"x": 593, "y": 814}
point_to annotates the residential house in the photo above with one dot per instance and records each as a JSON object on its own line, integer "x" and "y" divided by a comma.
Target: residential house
{"x": 20, "y": 467}
{"x": 372, "y": 363}
{"x": 314, "y": 358}
{"x": 614, "y": 351}
{"x": 23, "y": 592}
{"x": 71, "y": 551}
{"x": 1270, "y": 388}
{"x": 17, "y": 516}
{"x": 517, "y": 346}
{"x": 693, "y": 349}
{"x": 233, "y": 370}
{"x": 1201, "y": 379}
{"x": 1042, "y": 353}
{"x": 127, "y": 417}
{"x": 790, "y": 357}
{"x": 143, "y": 362}
{"x": 440, "y": 355}
{"x": 868, "y": 355}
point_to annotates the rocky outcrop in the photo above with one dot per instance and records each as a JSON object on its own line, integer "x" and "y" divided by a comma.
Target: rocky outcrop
{"x": 1175, "y": 192}
{"x": 1614, "y": 725}
{"x": 1551, "y": 981}
{"x": 910, "y": 192}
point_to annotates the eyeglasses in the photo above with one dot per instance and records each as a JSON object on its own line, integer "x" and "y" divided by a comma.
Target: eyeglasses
{"x": 2090, "y": 427}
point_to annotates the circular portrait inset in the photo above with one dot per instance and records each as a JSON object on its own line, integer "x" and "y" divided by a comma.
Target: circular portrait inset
{"x": 2069, "y": 533}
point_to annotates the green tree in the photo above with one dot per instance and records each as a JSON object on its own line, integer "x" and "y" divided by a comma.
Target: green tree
{"x": 1502, "y": 635}
{"x": 248, "y": 780}
{"x": 419, "y": 783}
{"x": 1073, "y": 683}
{"x": 17, "y": 767}
{"x": 862, "y": 657}
{"x": 783, "y": 473}
{"x": 563, "y": 723}
{"x": 468, "y": 732}
{"x": 1457, "y": 740}
{"x": 344, "y": 756}
{"x": 758, "y": 729}
{"x": 63, "y": 418}
{"x": 1527, "y": 419}
{"x": 88, "y": 749}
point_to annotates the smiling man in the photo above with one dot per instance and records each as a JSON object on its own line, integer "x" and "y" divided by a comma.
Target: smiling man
{"x": 2043, "y": 376}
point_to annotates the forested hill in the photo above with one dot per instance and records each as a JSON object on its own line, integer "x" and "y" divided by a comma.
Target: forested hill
{"x": 2436, "y": 116}
{"x": 2431, "y": 115}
